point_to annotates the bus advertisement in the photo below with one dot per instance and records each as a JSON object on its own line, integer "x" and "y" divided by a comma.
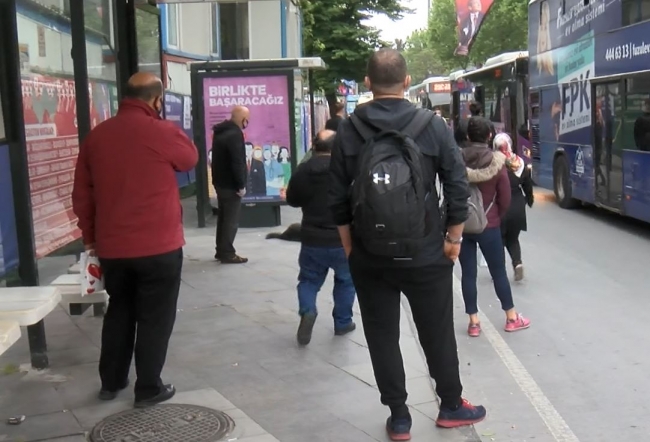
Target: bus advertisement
{"x": 590, "y": 102}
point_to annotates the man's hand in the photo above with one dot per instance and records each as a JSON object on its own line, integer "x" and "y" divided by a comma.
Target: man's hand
{"x": 348, "y": 250}
{"x": 346, "y": 239}
{"x": 241, "y": 193}
{"x": 452, "y": 250}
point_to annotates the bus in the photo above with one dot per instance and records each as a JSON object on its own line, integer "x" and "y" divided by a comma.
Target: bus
{"x": 501, "y": 86}
{"x": 437, "y": 88}
{"x": 462, "y": 94}
{"x": 589, "y": 98}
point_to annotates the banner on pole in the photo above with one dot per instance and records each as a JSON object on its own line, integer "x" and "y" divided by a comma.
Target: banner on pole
{"x": 470, "y": 15}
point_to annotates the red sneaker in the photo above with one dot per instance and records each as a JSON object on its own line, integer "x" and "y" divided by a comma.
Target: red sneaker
{"x": 474, "y": 330}
{"x": 520, "y": 323}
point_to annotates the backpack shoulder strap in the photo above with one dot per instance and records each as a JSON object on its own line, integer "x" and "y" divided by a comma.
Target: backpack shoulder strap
{"x": 364, "y": 129}
{"x": 419, "y": 122}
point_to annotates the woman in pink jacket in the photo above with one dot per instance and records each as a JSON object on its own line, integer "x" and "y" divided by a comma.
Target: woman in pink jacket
{"x": 486, "y": 169}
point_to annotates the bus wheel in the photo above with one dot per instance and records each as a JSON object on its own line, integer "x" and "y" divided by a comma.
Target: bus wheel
{"x": 562, "y": 184}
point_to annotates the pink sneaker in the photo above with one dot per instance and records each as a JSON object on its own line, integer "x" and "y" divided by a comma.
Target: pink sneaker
{"x": 474, "y": 330}
{"x": 521, "y": 323}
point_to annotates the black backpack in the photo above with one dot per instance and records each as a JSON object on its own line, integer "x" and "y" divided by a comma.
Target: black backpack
{"x": 391, "y": 191}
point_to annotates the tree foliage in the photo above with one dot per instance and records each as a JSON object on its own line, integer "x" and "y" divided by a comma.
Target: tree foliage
{"x": 421, "y": 58}
{"x": 504, "y": 29}
{"x": 335, "y": 31}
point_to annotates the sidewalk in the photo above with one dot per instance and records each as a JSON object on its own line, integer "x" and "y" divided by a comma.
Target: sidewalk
{"x": 233, "y": 349}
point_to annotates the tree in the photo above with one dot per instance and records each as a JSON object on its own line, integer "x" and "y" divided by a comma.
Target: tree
{"x": 335, "y": 31}
{"x": 421, "y": 58}
{"x": 504, "y": 29}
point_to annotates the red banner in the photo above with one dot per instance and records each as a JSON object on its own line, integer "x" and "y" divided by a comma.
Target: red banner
{"x": 470, "y": 15}
{"x": 52, "y": 146}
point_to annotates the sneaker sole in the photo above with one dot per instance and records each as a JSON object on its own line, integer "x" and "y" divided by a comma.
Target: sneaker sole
{"x": 398, "y": 437}
{"x": 455, "y": 423}
{"x": 305, "y": 331}
{"x": 519, "y": 274}
{"x": 517, "y": 329}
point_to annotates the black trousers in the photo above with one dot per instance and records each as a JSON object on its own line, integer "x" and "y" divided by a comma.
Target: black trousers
{"x": 227, "y": 222}
{"x": 429, "y": 291}
{"x": 511, "y": 243}
{"x": 141, "y": 314}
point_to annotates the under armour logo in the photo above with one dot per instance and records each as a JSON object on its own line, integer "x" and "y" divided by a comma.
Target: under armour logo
{"x": 385, "y": 179}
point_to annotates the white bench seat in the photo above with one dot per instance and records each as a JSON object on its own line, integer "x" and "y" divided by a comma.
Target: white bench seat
{"x": 27, "y": 305}
{"x": 9, "y": 334}
{"x": 71, "y": 299}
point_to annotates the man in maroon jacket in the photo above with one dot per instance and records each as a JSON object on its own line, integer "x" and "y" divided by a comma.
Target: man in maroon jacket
{"x": 126, "y": 198}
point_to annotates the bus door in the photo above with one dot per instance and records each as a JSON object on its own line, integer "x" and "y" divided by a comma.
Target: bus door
{"x": 455, "y": 108}
{"x": 608, "y": 159}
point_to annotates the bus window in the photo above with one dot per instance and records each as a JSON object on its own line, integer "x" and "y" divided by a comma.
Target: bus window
{"x": 636, "y": 126}
{"x": 635, "y": 11}
{"x": 492, "y": 102}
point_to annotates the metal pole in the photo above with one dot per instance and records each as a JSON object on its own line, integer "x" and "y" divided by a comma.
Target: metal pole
{"x": 126, "y": 42}
{"x": 80, "y": 63}
{"x": 312, "y": 105}
{"x": 202, "y": 194}
{"x": 27, "y": 267}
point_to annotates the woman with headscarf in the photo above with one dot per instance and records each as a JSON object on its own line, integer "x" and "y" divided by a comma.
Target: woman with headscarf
{"x": 521, "y": 187}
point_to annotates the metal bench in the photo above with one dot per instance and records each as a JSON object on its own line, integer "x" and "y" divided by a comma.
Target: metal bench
{"x": 9, "y": 334}
{"x": 71, "y": 298}
{"x": 28, "y": 306}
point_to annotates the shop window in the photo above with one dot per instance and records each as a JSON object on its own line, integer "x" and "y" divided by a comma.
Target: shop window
{"x": 173, "y": 25}
{"x": 148, "y": 38}
{"x": 635, "y": 11}
{"x": 214, "y": 30}
{"x": 99, "y": 17}
{"x": 233, "y": 24}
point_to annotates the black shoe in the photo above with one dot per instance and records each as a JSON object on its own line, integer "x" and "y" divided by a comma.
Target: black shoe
{"x": 305, "y": 328}
{"x": 109, "y": 395}
{"x": 166, "y": 394}
{"x": 345, "y": 330}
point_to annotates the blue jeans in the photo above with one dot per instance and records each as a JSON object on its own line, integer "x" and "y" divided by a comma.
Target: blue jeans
{"x": 315, "y": 263}
{"x": 491, "y": 246}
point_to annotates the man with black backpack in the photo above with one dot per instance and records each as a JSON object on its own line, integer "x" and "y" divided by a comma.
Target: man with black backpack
{"x": 382, "y": 193}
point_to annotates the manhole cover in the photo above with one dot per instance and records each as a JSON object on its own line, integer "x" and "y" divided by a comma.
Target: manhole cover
{"x": 164, "y": 423}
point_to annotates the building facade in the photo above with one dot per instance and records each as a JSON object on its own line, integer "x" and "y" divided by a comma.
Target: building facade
{"x": 64, "y": 72}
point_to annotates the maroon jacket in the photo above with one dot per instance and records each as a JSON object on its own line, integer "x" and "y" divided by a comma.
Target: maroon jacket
{"x": 125, "y": 190}
{"x": 487, "y": 169}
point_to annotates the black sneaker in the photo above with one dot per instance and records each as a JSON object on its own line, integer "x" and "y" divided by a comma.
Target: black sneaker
{"x": 345, "y": 330}
{"x": 109, "y": 395}
{"x": 168, "y": 392}
{"x": 466, "y": 414}
{"x": 305, "y": 328}
{"x": 399, "y": 429}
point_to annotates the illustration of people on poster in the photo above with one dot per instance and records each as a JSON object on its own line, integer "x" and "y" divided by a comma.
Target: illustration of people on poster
{"x": 268, "y": 135}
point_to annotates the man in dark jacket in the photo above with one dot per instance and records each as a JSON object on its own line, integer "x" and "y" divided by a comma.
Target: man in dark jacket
{"x": 321, "y": 248}
{"x": 427, "y": 278}
{"x": 229, "y": 177}
{"x": 126, "y": 198}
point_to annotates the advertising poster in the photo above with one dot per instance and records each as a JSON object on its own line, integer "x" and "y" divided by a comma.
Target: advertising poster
{"x": 174, "y": 113}
{"x": 8, "y": 238}
{"x": 268, "y": 135}
{"x": 470, "y": 15}
{"x": 52, "y": 148}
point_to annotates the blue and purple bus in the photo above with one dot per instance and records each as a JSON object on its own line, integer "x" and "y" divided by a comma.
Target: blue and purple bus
{"x": 589, "y": 99}
{"x": 501, "y": 86}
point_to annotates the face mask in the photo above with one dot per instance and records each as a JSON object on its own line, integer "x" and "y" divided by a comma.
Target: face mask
{"x": 244, "y": 124}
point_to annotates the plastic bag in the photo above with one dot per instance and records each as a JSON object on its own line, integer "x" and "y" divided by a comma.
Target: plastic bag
{"x": 92, "y": 278}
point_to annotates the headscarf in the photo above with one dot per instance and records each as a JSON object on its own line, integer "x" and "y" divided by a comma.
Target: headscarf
{"x": 503, "y": 143}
